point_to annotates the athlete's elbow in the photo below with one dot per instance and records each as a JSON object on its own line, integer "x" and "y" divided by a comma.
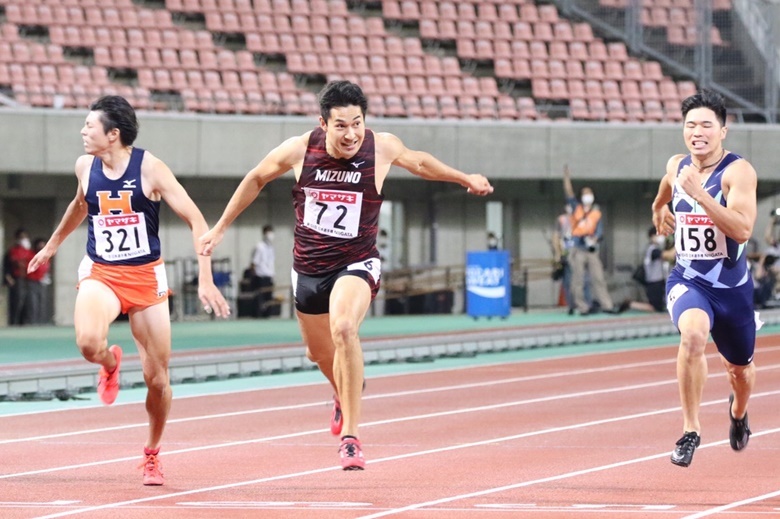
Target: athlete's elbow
{"x": 742, "y": 235}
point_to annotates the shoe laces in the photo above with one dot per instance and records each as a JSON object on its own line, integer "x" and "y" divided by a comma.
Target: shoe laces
{"x": 688, "y": 442}
{"x": 350, "y": 449}
{"x": 151, "y": 463}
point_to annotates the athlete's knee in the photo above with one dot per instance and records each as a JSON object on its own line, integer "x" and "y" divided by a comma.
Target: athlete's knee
{"x": 343, "y": 330}
{"x": 693, "y": 341}
{"x": 91, "y": 344}
{"x": 319, "y": 356}
{"x": 740, "y": 374}
{"x": 157, "y": 383}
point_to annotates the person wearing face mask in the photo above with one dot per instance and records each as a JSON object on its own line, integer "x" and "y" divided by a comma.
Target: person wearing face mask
{"x": 19, "y": 308}
{"x": 264, "y": 269}
{"x": 586, "y": 231}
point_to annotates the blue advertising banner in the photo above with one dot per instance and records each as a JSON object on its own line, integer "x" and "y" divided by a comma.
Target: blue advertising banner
{"x": 488, "y": 284}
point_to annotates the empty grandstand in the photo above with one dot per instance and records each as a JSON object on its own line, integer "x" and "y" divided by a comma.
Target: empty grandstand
{"x": 592, "y": 60}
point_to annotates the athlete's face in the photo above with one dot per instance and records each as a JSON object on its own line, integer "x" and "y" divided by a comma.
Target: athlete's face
{"x": 344, "y": 131}
{"x": 94, "y": 136}
{"x": 703, "y": 132}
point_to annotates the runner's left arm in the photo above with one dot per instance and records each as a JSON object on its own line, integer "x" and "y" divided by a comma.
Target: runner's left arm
{"x": 427, "y": 166}
{"x": 177, "y": 198}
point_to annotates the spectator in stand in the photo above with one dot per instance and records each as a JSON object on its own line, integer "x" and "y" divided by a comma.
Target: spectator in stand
{"x": 38, "y": 285}
{"x": 587, "y": 233}
{"x": 16, "y": 279}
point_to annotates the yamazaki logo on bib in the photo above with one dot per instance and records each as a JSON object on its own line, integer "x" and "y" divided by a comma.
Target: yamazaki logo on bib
{"x": 117, "y": 221}
{"x": 695, "y": 219}
{"x": 333, "y": 212}
{"x": 335, "y": 196}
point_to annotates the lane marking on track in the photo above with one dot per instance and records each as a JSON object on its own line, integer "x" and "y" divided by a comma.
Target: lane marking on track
{"x": 723, "y": 508}
{"x": 437, "y": 451}
{"x": 550, "y": 479}
{"x": 298, "y": 505}
{"x": 423, "y": 417}
{"x": 414, "y": 392}
{"x": 411, "y": 392}
{"x": 36, "y": 504}
{"x": 389, "y": 375}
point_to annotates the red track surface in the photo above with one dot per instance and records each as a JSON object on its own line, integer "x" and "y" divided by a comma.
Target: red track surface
{"x": 586, "y": 436}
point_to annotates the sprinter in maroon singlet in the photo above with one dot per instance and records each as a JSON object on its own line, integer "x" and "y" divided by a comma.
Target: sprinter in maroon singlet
{"x": 339, "y": 169}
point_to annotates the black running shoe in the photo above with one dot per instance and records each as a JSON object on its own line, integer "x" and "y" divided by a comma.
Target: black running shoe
{"x": 683, "y": 453}
{"x": 739, "y": 432}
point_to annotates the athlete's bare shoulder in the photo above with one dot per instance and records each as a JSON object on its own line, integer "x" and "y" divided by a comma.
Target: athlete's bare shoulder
{"x": 672, "y": 165}
{"x": 82, "y": 167}
{"x": 388, "y": 146}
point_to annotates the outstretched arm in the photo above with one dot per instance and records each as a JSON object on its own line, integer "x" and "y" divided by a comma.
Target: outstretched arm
{"x": 427, "y": 166}
{"x": 74, "y": 215}
{"x": 180, "y": 202}
{"x": 280, "y": 160}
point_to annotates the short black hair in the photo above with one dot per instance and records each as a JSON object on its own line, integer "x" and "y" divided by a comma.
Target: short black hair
{"x": 706, "y": 99}
{"x": 117, "y": 113}
{"x": 341, "y": 93}
{"x": 19, "y": 232}
{"x": 267, "y": 228}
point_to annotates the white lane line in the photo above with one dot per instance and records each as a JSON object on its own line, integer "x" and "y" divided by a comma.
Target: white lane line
{"x": 512, "y": 380}
{"x": 592, "y": 470}
{"x": 723, "y": 508}
{"x": 437, "y": 451}
{"x": 438, "y": 414}
{"x": 411, "y": 392}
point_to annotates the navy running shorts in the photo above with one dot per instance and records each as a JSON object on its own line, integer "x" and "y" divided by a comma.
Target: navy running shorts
{"x": 733, "y": 321}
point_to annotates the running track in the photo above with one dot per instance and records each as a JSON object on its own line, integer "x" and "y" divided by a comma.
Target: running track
{"x": 580, "y": 436}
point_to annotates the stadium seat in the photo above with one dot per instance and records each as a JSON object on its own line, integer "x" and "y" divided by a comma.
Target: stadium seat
{"x": 579, "y": 109}
{"x": 527, "y": 108}
{"x": 448, "y": 107}
{"x": 412, "y": 106}
{"x": 507, "y": 109}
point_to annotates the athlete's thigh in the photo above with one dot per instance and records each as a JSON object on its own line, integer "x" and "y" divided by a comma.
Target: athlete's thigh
{"x": 97, "y": 306}
{"x": 315, "y": 331}
{"x": 687, "y": 304}
{"x": 350, "y": 297}
{"x": 734, "y": 329}
{"x": 151, "y": 328}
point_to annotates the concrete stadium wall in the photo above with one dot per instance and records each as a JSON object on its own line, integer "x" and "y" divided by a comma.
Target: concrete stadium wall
{"x": 210, "y": 155}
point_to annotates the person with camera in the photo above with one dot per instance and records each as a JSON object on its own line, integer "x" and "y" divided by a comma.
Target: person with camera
{"x": 764, "y": 266}
{"x": 586, "y": 231}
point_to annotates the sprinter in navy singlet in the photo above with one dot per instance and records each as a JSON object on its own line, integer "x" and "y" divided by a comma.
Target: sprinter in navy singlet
{"x": 710, "y": 291}
{"x": 119, "y": 189}
{"x": 340, "y": 168}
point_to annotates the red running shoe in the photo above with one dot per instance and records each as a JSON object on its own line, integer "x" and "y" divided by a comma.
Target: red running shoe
{"x": 336, "y": 418}
{"x": 153, "y": 475}
{"x": 108, "y": 383}
{"x": 351, "y": 454}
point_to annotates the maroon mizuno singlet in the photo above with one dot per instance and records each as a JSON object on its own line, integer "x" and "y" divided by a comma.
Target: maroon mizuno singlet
{"x": 336, "y": 208}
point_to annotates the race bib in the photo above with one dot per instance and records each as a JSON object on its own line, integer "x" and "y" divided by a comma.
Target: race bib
{"x": 333, "y": 212}
{"x": 120, "y": 237}
{"x": 697, "y": 238}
